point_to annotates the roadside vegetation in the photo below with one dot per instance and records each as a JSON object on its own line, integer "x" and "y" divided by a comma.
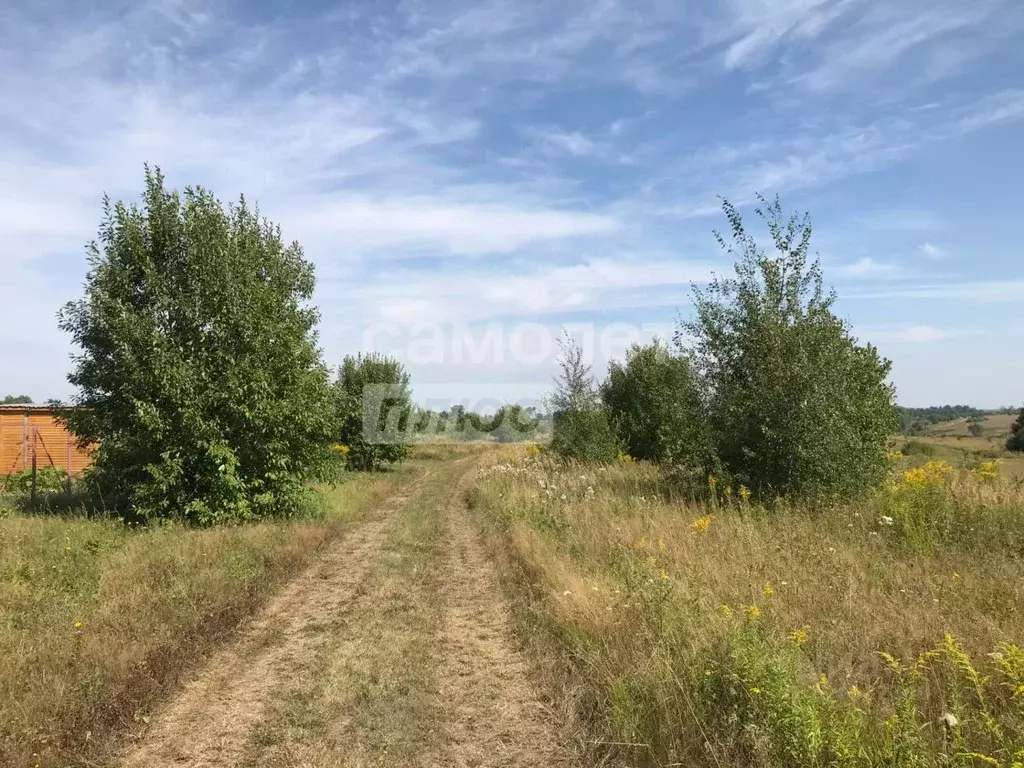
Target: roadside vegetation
{"x": 777, "y": 584}
{"x": 101, "y": 618}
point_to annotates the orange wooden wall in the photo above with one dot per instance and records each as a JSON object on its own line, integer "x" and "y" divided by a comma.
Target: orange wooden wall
{"x": 23, "y": 430}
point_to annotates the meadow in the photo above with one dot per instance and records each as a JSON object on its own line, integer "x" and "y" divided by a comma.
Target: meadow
{"x": 102, "y": 619}
{"x": 884, "y": 631}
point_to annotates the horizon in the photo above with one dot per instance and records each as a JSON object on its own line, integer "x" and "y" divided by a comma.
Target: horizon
{"x": 458, "y": 167}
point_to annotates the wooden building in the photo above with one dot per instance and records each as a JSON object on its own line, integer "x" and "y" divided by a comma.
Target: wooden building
{"x": 28, "y": 431}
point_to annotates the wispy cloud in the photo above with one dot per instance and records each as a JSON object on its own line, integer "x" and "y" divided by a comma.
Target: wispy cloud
{"x": 868, "y": 268}
{"x": 473, "y": 160}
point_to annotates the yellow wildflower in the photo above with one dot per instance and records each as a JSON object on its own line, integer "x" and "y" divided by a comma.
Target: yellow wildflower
{"x": 987, "y": 471}
{"x": 753, "y": 611}
{"x": 853, "y": 692}
{"x": 651, "y": 561}
{"x": 767, "y": 590}
{"x": 701, "y": 524}
{"x": 725, "y": 610}
{"x": 931, "y": 473}
{"x": 78, "y": 625}
{"x": 340, "y": 449}
{"x": 744, "y": 493}
{"x": 625, "y": 458}
{"x": 712, "y": 483}
{"x": 799, "y": 636}
{"x": 661, "y": 545}
{"x": 641, "y": 543}
{"x": 755, "y": 691}
{"x": 664, "y": 575}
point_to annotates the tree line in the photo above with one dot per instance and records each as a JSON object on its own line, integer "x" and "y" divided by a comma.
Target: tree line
{"x": 199, "y": 377}
{"x": 766, "y": 388}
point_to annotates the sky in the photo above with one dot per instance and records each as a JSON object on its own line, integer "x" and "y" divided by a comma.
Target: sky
{"x": 471, "y": 177}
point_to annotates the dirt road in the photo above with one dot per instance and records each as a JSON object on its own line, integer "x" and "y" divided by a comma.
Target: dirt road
{"x": 395, "y": 648}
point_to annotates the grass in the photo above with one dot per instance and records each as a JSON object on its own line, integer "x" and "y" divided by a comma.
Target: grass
{"x": 881, "y": 632}
{"x": 101, "y": 619}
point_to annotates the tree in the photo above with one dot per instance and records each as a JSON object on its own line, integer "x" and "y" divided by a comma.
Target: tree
{"x": 582, "y": 429}
{"x": 1016, "y": 439}
{"x": 654, "y": 403}
{"x": 199, "y": 375}
{"x": 16, "y": 400}
{"x": 796, "y": 405}
{"x": 374, "y": 407}
{"x": 513, "y": 424}
{"x": 974, "y": 429}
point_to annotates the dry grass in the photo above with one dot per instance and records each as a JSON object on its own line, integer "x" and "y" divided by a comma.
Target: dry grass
{"x": 727, "y": 635}
{"x": 99, "y": 620}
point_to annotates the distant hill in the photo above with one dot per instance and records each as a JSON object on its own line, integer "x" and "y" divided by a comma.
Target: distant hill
{"x": 920, "y": 421}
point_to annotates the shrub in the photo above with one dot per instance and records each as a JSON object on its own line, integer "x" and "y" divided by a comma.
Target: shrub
{"x": 1016, "y": 439}
{"x": 919, "y": 448}
{"x": 374, "y": 409}
{"x": 582, "y": 429}
{"x": 796, "y": 405}
{"x": 654, "y": 404}
{"x": 199, "y": 375}
{"x": 512, "y": 424}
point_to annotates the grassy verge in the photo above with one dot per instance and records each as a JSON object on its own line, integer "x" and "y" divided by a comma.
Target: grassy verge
{"x": 884, "y": 632}
{"x": 100, "y": 619}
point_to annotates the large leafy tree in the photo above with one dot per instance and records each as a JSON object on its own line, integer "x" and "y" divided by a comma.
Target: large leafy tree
{"x": 1016, "y": 439}
{"x": 374, "y": 406}
{"x": 796, "y": 405}
{"x": 199, "y": 375}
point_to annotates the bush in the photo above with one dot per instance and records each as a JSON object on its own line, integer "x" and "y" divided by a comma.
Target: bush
{"x": 796, "y": 405}
{"x": 1016, "y": 439}
{"x": 585, "y": 436}
{"x": 511, "y": 424}
{"x": 374, "y": 409}
{"x": 654, "y": 404}
{"x": 919, "y": 448}
{"x": 582, "y": 429}
{"x": 199, "y": 375}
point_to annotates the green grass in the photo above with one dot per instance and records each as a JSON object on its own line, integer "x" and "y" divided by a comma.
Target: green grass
{"x": 100, "y": 619}
{"x": 724, "y": 634}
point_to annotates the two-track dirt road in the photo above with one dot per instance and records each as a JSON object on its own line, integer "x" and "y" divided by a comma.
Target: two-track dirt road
{"x": 395, "y": 648}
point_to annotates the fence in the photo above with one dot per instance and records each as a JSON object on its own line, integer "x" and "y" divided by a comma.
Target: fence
{"x": 31, "y": 437}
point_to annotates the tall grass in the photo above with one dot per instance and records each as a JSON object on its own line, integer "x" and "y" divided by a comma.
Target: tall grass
{"x": 99, "y": 618}
{"x": 882, "y": 632}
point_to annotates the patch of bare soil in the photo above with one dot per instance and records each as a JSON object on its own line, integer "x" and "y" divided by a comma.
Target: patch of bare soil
{"x": 209, "y": 722}
{"x": 490, "y": 708}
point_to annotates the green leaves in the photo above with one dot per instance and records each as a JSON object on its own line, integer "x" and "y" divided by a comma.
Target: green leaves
{"x": 374, "y": 407}
{"x": 796, "y": 405}
{"x": 199, "y": 374}
{"x": 1016, "y": 439}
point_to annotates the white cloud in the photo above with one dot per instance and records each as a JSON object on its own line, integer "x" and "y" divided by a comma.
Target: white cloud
{"x": 574, "y": 143}
{"x": 1001, "y": 107}
{"x": 994, "y": 292}
{"x": 457, "y": 228}
{"x": 915, "y": 334}
{"x": 867, "y": 268}
{"x": 930, "y": 251}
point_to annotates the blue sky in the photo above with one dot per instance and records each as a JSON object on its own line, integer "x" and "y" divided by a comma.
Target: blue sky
{"x": 465, "y": 165}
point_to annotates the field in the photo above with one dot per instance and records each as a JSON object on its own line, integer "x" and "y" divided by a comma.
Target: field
{"x": 100, "y": 619}
{"x": 878, "y": 633}
{"x": 950, "y": 441}
{"x": 489, "y": 605}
